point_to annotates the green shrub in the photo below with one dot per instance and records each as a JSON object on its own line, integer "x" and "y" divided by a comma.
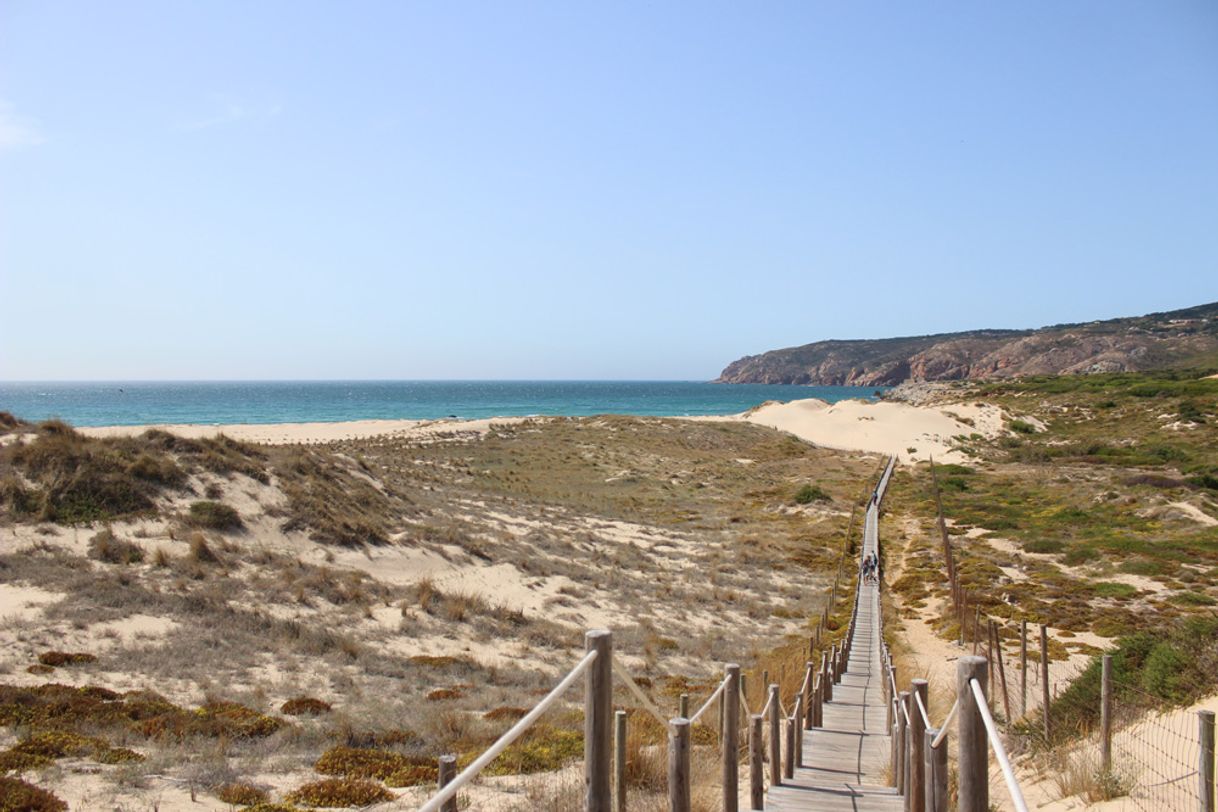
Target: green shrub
{"x": 340, "y": 792}
{"x": 19, "y": 796}
{"x": 1021, "y": 427}
{"x": 1044, "y": 546}
{"x": 241, "y": 794}
{"x": 811, "y": 493}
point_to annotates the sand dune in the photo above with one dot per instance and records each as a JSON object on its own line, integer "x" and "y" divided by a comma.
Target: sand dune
{"x": 911, "y": 432}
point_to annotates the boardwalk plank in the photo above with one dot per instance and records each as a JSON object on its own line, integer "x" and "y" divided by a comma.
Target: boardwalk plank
{"x": 846, "y": 761}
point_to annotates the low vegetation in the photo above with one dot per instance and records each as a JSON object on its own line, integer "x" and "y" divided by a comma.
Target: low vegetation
{"x": 296, "y": 632}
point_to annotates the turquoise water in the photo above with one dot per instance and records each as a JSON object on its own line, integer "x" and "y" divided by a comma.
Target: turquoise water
{"x": 136, "y": 403}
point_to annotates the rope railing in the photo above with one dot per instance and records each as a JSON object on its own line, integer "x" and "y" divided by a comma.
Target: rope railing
{"x": 710, "y": 701}
{"x": 621, "y": 673}
{"x": 1000, "y": 752}
{"x": 450, "y": 790}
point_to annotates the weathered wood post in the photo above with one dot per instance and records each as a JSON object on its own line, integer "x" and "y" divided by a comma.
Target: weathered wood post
{"x": 917, "y": 742}
{"x": 818, "y": 702}
{"x": 936, "y": 773}
{"x": 619, "y": 761}
{"x": 797, "y": 721}
{"x": 902, "y": 735}
{"x": 775, "y": 738}
{"x": 756, "y": 777}
{"x": 974, "y": 772}
{"x": 893, "y": 749}
{"x": 788, "y": 756}
{"x": 1205, "y": 769}
{"x": 598, "y": 721}
{"x": 1106, "y": 715}
{"x": 1023, "y": 666}
{"x": 445, "y": 773}
{"x": 1044, "y": 679}
{"x": 807, "y": 704}
{"x": 683, "y": 706}
{"x": 731, "y": 738}
{"x": 1002, "y": 671}
{"x": 678, "y": 765}
{"x": 976, "y": 628}
{"x": 826, "y": 665}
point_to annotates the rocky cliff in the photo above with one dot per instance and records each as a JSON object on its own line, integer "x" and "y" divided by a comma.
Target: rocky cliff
{"x": 1177, "y": 338}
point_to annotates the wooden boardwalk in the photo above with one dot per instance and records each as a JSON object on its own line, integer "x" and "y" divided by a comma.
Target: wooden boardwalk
{"x": 846, "y": 762}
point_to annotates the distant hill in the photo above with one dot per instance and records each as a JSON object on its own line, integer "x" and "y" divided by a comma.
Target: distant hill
{"x": 1178, "y": 338}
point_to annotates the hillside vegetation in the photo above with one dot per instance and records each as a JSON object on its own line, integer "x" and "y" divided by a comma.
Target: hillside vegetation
{"x": 315, "y": 624}
{"x": 1180, "y": 338}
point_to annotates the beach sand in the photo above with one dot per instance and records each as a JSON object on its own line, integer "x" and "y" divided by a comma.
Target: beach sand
{"x": 911, "y": 432}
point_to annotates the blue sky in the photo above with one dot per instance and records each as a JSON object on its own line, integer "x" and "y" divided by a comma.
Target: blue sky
{"x": 574, "y": 190}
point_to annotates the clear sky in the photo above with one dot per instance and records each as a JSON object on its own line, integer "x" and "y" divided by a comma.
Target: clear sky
{"x": 586, "y": 190}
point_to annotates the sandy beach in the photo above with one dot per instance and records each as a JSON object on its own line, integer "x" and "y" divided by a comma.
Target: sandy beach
{"x": 913, "y": 433}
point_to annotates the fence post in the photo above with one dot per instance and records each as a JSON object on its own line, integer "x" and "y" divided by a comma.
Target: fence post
{"x": 974, "y": 773}
{"x": 446, "y": 772}
{"x": 827, "y": 682}
{"x": 775, "y": 738}
{"x": 683, "y": 706}
{"x": 788, "y": 756}
{"x": 1106, "y": 715}
{"x": 1044, "y": 678}
{"x": 1205, "y": 720}
{"x": 902, "y": 750}
{"x": 936, "y": 772}
{"x": 678, "y": 765}
{"x": 756, "y": 780}
{"x": 818, "y": 702}
{"x": 808, "y": 687}
{"x": 619, "y": 761}
{"x": 917, "y": 741}
{"x": 798, "y": 723}
{"x": 1023, "y": 666}
{"x": 731, "y": 736}
{"x": 598, "y": 721}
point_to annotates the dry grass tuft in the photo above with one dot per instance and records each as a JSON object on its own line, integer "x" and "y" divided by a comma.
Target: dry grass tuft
{"x": 305, "y": 706}
{"x": 241, "y": 794}
{"x": 107, "y": 547}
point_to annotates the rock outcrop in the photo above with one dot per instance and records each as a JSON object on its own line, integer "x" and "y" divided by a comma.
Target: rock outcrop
{"x": 1159, "y": 340}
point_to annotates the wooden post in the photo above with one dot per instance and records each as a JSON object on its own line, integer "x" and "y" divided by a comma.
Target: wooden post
{"x": 619, "y": 761}
{"x": 936, "y": 773}
{"x": 788, "y": 756}
{"x": 1205, "y": 769}
{"x": 598, "y": 722}
{"x": 678, "y": 765}
{"x": 756, "y": 748}
{"x": 1044, "y": 679}
{"x": 973, "y": 787}
{"x": 893, "y": 750}
{"x": 1106, "y": 715}
{"x": 1023, "y": 666}
{"x": 765, "y": 680}
{"x": 827, "y": 670}
{"x": 775, "y": 740}
{"x": 446, "y": 772}
{"x": 920, "y": 689}
{"x": 683, "y": 706}
{"x": 731, "y": 738}
{"x": 902, "y": 751}
{"x": 976, "y": 628}
{"x": 818, "y": 702}
{"x": 1002, "y": 672}
{"x": 808, "y": 679}
{"x": 797, "y": 722}
{"x": 989, "y": 656}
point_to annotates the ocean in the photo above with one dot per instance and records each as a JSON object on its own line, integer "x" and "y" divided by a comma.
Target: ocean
{"x": 215, "y": 402}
